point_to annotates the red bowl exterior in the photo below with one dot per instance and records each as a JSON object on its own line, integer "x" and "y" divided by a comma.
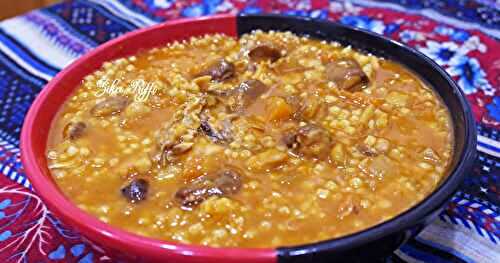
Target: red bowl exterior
{"x": 119, "y": 243}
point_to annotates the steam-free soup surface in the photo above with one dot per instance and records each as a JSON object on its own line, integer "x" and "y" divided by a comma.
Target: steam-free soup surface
{"x": 267, "y": 140}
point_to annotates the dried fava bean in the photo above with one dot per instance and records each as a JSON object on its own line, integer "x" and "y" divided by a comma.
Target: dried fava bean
{"x": 224, "y": 183}
{"x": 74, "y": 130}
{"x": 310, "y": 141}
{"x": 247, "y": 92}
{"x": 264, "y": 52}
{"x": 223, "y": 136}
{"x": 136, "y": 191}
{"x": 206, "y": 129}
{"x": 191, "y": 196}
{"x": 110, "y": 106}
{"x": 252, "y": 89}
{"x": 239, "y": 98}
{"x": 347, "y": 74}
{"x": 219, "y": 71}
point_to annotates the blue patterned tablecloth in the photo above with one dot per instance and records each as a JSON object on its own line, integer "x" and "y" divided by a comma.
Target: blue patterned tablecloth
{"x": 462, "y": 36}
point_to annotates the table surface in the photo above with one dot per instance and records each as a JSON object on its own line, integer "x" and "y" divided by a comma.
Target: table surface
{"x": 462, "y": 36}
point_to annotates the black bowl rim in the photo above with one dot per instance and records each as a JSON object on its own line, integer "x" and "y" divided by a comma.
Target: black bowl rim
{"x": 433, "y": 201}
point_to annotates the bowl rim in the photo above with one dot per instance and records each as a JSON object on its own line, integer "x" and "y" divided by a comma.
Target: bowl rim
{"x": 116, "y": 237}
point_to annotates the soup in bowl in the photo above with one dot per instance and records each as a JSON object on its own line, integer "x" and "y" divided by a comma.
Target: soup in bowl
{"x": 269, "y": 139}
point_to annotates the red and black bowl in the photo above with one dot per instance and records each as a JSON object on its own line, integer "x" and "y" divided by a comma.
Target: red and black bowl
{"x": 368, "y": 245}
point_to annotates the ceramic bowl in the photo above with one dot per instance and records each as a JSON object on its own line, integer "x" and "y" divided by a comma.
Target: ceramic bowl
{"x": 368, "y": 245}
